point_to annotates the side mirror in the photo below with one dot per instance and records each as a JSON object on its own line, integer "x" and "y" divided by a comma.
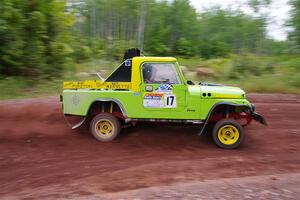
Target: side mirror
{"x": 189, "y": 82}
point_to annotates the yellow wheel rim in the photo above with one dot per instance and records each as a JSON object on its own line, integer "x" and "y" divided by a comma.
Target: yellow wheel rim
{"x": 228, "y": 134}
{"x": 104, "y": 128}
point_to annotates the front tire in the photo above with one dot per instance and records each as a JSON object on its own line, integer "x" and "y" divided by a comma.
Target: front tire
{"x": 228, "y": 134}
{"x": 105, "y": 127}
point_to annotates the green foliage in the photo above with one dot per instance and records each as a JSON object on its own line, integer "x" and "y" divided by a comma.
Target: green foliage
{"x": 34, "y": 38}
{"x": 183, "y": 27}
{"x": 115, "y": 48}
{"x": 82, "y": 53}
{"x": 21, "y": 87}
{"x": 185, "y": 47}
{"x": 295, "y": 24}
{"x": 11, "y": 38}
{"x": 248, "y": 64}
{"x": 174, "y": 28}
{"x": 222, "y": 32}
{"x": 157, "y": 29}
{"x": 46, "y": 39}
{"x": 43, "y": 38}
{"x": 251, "y": 72}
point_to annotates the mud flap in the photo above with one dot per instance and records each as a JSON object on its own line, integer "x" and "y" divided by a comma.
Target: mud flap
{"x": 79, "y": 123}
{"x": 76, "y": 125}
{"x": 257, "y": 117}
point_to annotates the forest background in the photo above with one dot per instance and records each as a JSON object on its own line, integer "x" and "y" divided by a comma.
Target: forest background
{"x": 43, "y": 43}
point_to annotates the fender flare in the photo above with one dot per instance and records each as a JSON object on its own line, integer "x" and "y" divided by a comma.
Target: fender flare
{"x": 101, "y": 100}
{"x": 252, "y": 108}
{"x": 106, "y": 100}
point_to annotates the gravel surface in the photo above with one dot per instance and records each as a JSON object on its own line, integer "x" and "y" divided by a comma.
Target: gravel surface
{"x": 42, "y": 158}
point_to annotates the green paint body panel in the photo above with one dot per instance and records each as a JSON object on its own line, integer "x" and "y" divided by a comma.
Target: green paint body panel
{"x": 193, "y": 102}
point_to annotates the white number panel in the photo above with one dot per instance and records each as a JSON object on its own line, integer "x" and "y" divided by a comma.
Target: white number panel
{"x": 170, "y": 101}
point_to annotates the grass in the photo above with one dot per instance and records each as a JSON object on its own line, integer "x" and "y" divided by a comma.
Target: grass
{"x": 18, "y": 88}
{"x": 251, "y": 73}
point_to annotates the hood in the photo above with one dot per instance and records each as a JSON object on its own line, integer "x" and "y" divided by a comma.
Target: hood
{"x": 222, "y": 92}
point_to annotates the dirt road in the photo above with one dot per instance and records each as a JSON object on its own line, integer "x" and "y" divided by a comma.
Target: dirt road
{"x": 41, "y": 157}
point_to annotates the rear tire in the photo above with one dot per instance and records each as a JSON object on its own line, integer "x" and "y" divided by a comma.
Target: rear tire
{"x": 228, "y": 134}
{"x": 105, "y": 127}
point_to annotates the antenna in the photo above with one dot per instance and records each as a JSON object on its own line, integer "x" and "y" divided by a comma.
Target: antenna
{"x": 99, "y": 75}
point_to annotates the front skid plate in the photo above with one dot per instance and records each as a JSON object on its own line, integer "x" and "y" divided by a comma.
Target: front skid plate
{"x": 259, "y": 118}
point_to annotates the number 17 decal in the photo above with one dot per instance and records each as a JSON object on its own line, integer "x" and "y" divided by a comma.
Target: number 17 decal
{"x": 170, "y": 101}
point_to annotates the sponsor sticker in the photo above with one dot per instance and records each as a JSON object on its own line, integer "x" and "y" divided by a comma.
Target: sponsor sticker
{"x": 164, "y": 88}
{"x": 127, "y": 63}
{"x": 159, "y": 100}
{"x": 153, "y": 100}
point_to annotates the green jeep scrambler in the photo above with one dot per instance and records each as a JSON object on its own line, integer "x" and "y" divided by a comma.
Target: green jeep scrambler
{"x": 155, "y": 89}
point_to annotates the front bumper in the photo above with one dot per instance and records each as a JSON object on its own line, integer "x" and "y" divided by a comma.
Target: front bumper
{"x": 257, "y": 117}
{"x": 253, "y": 107}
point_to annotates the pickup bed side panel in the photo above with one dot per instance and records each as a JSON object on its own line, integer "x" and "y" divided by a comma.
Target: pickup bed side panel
{"x": 78, "y": 102}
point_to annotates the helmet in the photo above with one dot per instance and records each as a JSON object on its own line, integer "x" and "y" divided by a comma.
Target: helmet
{"x": 147, "y": 71}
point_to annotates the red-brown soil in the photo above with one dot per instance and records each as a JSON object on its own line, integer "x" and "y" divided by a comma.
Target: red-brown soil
{"x": 41, "y": 157}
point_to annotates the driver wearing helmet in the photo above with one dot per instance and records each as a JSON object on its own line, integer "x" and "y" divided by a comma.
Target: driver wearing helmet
{"x": 148, "y": 72}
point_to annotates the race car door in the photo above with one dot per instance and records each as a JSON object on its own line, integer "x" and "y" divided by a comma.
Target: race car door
{"x": 163, "y": 91}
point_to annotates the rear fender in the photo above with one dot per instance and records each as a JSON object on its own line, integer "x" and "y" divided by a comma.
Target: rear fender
{"x": 117, "y": 102}
{"x": 107, "y": 100}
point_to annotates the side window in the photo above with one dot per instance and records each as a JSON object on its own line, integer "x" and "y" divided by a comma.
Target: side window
{"x": 160, "y": 73}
